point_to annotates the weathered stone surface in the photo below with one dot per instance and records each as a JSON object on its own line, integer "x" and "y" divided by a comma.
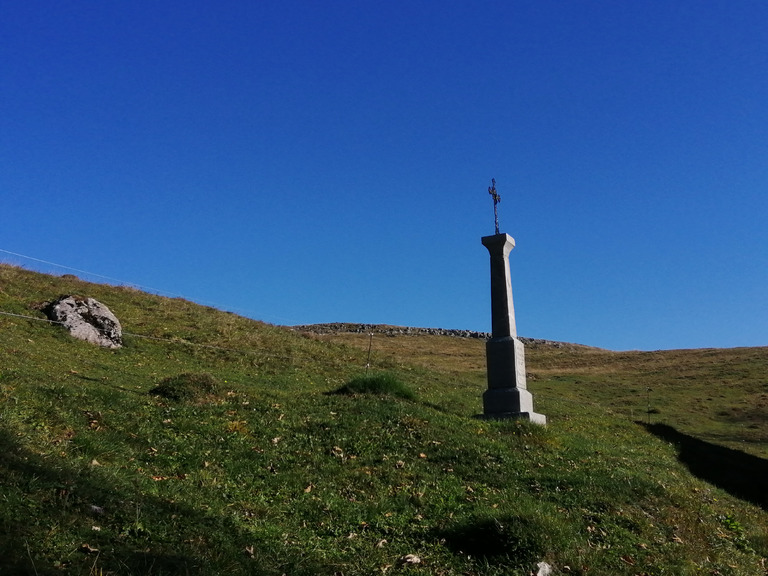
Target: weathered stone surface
{"x": 87, "y": 319}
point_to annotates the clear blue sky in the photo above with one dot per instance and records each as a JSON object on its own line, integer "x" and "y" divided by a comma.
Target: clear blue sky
{"x": 302, "y": 161}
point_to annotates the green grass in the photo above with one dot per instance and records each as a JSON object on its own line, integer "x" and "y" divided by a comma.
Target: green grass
{"x": 720, "y": 396}
{"x": 213, "y": 444}
{"x": 186, "y": 386}
{"x": 383, "y": 384}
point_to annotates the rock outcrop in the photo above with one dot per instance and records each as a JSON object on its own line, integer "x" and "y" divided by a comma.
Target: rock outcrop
{"x": 87, "y": 319}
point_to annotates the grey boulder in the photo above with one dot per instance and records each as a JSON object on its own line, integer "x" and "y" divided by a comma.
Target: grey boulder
{"x": 87, "y": 319}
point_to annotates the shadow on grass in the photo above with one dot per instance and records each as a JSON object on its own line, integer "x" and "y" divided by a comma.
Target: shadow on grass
{"x": 742, "y": 475}
{"x": 43, "y": 496}
{"x": 514, "y": 542}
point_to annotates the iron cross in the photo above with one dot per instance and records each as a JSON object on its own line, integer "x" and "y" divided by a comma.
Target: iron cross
{"x": 496, "y": 200}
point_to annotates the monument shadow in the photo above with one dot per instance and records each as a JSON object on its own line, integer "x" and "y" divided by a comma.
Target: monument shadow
{"x": 738, "y": 473}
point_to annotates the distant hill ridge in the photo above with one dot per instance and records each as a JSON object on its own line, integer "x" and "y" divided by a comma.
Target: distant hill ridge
{"x": 386, "y": 329}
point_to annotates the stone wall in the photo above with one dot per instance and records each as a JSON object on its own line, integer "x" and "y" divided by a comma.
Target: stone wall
{"x": 387, "y": 330}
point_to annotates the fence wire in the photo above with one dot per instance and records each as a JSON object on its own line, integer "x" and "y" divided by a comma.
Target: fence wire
{"x": 96, "y": 277}
{"x": 291, "y": 358}
{"x": 175, "y": 341}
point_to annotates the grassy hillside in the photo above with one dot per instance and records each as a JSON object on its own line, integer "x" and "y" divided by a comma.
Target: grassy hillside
{"x": 213, "y": 444}
{"x": 720, "y": 396}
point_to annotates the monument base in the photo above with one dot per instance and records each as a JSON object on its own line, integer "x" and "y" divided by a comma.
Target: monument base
{"x": 503, "y": 403}
{"x": 533, "y": 417}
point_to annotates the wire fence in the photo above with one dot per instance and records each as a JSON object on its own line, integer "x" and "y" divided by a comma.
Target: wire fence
{"x": 48, "y": 267}
{"x": 174, "y": 341}
{"x": 293, "y": 358}
{"x": 296, "y": 358}
{"x": 254, "y": 364}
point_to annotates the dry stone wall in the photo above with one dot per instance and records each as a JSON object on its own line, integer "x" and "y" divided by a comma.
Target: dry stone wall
{"x": 385, "y": 329}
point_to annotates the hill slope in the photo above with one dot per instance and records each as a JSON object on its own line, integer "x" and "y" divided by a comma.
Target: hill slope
{"x": 717, "y": 395}
{"x": 213, "y": 444}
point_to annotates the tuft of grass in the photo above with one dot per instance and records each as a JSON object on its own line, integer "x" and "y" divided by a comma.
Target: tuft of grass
{"x": 382, "y": 384}
{"x": 186, "y": 387}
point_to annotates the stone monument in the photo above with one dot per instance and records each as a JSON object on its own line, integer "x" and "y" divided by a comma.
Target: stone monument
{"x": 507, "y": 395}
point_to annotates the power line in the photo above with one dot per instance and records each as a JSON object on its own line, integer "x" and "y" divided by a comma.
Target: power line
{"x": 122, "y": 282}
{"x": 157, "y": 291}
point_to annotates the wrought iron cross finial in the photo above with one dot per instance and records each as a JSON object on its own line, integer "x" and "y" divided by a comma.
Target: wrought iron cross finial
{"x": 496, "y": 200}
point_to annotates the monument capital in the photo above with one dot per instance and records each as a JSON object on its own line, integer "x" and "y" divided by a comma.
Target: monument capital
{"x": 502, "y": 239}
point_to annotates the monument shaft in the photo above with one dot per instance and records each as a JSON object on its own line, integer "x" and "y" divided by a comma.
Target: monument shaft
{"x": 502, "y": 307}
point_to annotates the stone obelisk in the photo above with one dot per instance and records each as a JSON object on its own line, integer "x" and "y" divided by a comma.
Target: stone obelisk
{"x": 507, "y": 395}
